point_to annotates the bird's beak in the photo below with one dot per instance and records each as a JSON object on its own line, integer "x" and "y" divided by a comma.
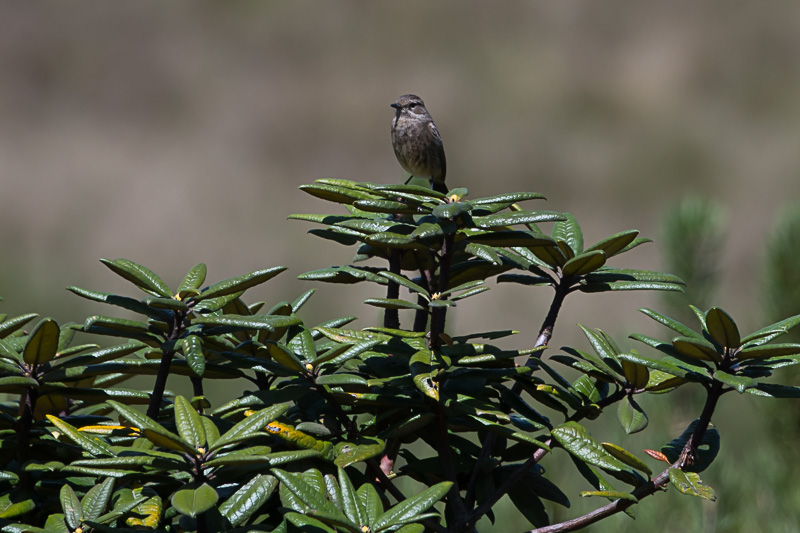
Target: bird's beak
{"x": 395, "y": 105}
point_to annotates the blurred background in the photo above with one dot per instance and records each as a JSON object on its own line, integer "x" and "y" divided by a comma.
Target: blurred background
{"x": 177, "y": 133}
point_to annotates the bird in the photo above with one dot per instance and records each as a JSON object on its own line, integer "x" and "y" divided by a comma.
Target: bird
{"x": 417, "y": 142}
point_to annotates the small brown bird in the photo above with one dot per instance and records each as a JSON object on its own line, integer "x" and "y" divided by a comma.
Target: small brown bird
{"x": 417, "y": 143}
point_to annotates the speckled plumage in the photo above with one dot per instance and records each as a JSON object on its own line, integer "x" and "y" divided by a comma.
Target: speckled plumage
{"x": 417, "y": 143}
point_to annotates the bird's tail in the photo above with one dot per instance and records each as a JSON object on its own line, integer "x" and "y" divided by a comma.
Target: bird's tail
{"x": 439, "y": 186}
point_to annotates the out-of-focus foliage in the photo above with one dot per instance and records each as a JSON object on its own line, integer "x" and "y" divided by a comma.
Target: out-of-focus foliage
{"x": 693, "y": 242}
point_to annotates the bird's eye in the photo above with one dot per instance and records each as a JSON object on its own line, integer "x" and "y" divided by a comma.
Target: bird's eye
{"x": 412, "y": 105}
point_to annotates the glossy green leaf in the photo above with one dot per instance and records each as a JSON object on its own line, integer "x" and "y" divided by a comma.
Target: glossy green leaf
{"x": 509, "y": 198}
{"x": 696, "y": 349}
{"x": 336, "y": 193}
{"x": 737, "y": 382}
{"x": 577, "y": 441}
{"x": 259, "y": 322}
{"x": 342, "y": 380}
{"x": 42, "y": 344}
{"x": 392, "y": 303}
{"x": 672, "y": 324}
{"x": 152, "y": 430}
{"x": 194, "y": 279}
{"x": 627, "y": 457}
{"x": 631, "y": 416}
{"x": 635, "y": 374}
{"x": 550, "y": 255}
{"x": 285, "y": 357}
{"x": 348, "y": 453}
{"x": 189, "y": 424}
{"x": 722, "y": 328}
{"x": 141, "y": 276}
{"x": 344, "y": 274}
{"x": 246, "y": 501}
{"x": 19, "y": 504}
{"x": 689, "y": 483}
{"x": 405, "y": 282}
{"x": 96, "y": 499}
{"x": 250, "y": 426}
{"x": 319, "y": 507}
{"x": 769, "y": 333}
{"x": 610, "y": 495}
{"x": 193, "y": 352}
{"x": 92, "y": 445}
{"x": 520, "y": 217}
{"x": 386, "y": 206}
{"x": 768, "y": 350}
{"x": 615, "y": 243}
{"x": 194, "y": 499}
{"x": 569, "y": 231}
{"x": 584, "y": 263}
{"x": 239, "y": 283}
{"x": 7, "y": 327}
{"x": 411, "y": 508}
{"x": 307, "y": 523}
{"x": 73, "y": 512}
{"x": 124, "y": 302}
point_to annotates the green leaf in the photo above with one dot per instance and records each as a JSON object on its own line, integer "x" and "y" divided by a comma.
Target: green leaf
{"x": 769, "y": 350}
{"x": 306, "y": 524}
{"x": 393, "y": 303}
{"x": 610, "y": 495}
{"x": 409, "y": 509}
{"x": 690, "y": 484}
{"x": 239, "y": 283}
{"x": 768, "y": 333}
{"x": 73, "y": 512}
{"x": 194, "y": 279}
{"x": 193, "y": 352}
{"x": 635, "y": 374}
{"x": 509, "y": 198}
{"x": 141, "y": 276}
{"x": 631, "y": 416}
{"x": 19, "y": 503}
{"x": 42, "y": 344}
{"x": 722, "y": 328}
{"x": 250, "y": 426}
{"x": 259, "y": 322}
{"x": 152, "y": 430}
{"x": 616, "y": 243}
{"x": 93, "y": 445}
{"x": 7, "y": 327}
{"x": 739, "y": 383}
{"x": 627, "y": 457}
{"x": 405, "y": 282}
{"x": 194, "y": 499}
{"x": 370, "y": 502}
{"x": 97, "y": 498}
{"x": 696, "y": 349}
{"x": 569, "y": 231}
{"x": 190, "y": 425}
{"x": 350, "y": 503}
{"x": 584, "y": 263}
{"x": 348, "y": 453}
{"x": 520, "y": 217}
{"x": 386, "y": 206}
{"x": 244, "y": 503}
{"x": 576, "y": 440}
{"x": 336, "y": 193}
{"x": 319, "y": 507}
